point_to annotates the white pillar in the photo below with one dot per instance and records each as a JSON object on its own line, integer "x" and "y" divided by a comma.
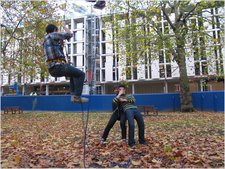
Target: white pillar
{"x": 2, "y": 91}
{"x": 23, "y": 90}
{"x": 103, "y": 88}
{"x": 166, "y": 87}
{"x": 47, "y": 90}
{"x": 133, "y": 88}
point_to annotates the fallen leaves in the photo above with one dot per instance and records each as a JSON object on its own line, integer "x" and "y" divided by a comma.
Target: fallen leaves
{"x": 175, "y": 140}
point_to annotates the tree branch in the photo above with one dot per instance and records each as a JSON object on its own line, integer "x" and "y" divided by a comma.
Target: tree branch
{"x": 188, "y": 14}
{"x": 12, "y": 35}
{"x": 167, "y": 17}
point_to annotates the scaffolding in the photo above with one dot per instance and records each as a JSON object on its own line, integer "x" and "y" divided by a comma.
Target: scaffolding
{"x": 92, "y": 51}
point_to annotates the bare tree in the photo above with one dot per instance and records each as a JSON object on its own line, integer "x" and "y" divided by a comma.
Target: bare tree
{"x": 143, "y": 33}
{"x": 23, "y": 29}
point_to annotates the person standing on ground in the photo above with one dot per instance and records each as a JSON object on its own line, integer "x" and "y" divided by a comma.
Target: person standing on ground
{"x": 117, "y": 114}
{"x": 128, "y": 104}
{"x": 56, "y": 61}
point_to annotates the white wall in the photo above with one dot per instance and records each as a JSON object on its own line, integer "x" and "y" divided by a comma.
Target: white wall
{"x": 174, "y": 69}
{"x": 108, "y": 68}
{"x": 155, "y": 69}
{"x": 79, "y": 48}
{"x": 190, "y": 65}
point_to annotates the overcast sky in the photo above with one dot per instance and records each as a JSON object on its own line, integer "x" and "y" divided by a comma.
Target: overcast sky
{"x": 76, "y": 8}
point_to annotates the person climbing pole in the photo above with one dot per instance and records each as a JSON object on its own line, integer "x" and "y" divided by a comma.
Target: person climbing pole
{"x": 56, "y": 61}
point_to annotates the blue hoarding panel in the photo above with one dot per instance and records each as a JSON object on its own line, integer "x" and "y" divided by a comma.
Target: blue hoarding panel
{"x": 163, "y": 102}
{"x": 208, "y": 101}
{"x": 204, "y": 101}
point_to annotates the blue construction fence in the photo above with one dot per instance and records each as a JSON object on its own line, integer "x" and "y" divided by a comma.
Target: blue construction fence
{"x": 203, "y": 101}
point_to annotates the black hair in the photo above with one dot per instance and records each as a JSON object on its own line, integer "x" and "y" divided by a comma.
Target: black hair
{"x": 121, "y": 85}
{"x": 51, "y": 28}
{"x": 115, "y": 87}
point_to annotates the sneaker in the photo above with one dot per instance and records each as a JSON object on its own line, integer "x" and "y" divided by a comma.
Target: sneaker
{"x": 78, "y": 99}
{"x": 124, "y": 143}
{"x": 102, "y": 141}
{"x": 144, "y": 143}
{"x": 131, "y": 145}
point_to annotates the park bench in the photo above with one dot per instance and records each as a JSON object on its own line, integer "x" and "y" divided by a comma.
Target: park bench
{"x": 148, "y": 109}
{"x": 13, "y": 110}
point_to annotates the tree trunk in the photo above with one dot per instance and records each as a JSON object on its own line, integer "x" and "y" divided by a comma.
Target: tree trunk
{"x": 185, "y": 95}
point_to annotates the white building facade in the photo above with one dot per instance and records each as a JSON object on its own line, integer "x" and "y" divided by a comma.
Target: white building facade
{"x": 93, "y": 44}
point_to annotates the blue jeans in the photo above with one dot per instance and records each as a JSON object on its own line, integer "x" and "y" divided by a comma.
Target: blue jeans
{"x": 76, "y": 77}
{"x": 132, "y": 114}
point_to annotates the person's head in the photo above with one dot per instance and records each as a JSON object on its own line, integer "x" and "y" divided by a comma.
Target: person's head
{"x": 122, "y": 88}
{"x": 115, "y": 89}
{"x": 51, "y": 28}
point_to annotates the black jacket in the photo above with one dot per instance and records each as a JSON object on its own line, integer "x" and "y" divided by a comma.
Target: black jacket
{"x": 117, "y": 108}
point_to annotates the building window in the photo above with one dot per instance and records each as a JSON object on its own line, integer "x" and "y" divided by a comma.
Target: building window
{"x": 103, "y": 61}
{"x": 103, "y": 35}
{"x": 204, "y": 68}
{"x": 97, "y": 63}
{"x": 135, "y": 72}
{"x": 201, "y": 68}
{"x": 98, "y": 90}
{"x": 97, "y": 75}
{"x": 148, "y": 58}
{"x": 203, "y": 54}
{"x": 168, "y": 57}
{"x": 159, "y": 26}
{"x": 69, "y": 48}
{"x": 128, "y": 61}
{"x": 128, "y": 73}
{"x": 103, "y": 74}
{"x": 74, "y": 48}
{"x": 161, "y": 71}
{"x": 203, "y": 85}
{"x": 161, "y": 57}
{"x": 168, "y": 70}
{"x": 75, "y": 36}
{"x": 166, "y": 28}
{"x": 177, "y": 87}
{"x": 197, "y": 68}
{"x": 103, "y": 48}
{"x": 193, "y": 22}
{"x": 114, "y": 60}
{"x": 148, "y": 74}
{"x": 83, "y": 47}
{"x": 196, "y": 55}
{"x": 148, "y": 65}
{"x": 115, "y": 74}
{"x": 165, "y": 64}
{"x": 83, "y": 60}
{"x": 78, "y": 25}
{"x": 75, "y": 61}
{"x": 219, "y": 62}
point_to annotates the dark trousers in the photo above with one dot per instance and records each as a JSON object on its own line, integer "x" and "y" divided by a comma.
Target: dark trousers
{"x": 112, "y": 121}
{"x": 132, "y": 114}
{"x": 76, "y": 76}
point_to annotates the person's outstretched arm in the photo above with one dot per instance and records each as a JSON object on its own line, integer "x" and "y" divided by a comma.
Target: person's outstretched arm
{"x": 66, "y": 29}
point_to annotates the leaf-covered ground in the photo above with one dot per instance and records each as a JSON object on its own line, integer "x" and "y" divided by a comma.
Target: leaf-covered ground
{"x": 175, "y": 140}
